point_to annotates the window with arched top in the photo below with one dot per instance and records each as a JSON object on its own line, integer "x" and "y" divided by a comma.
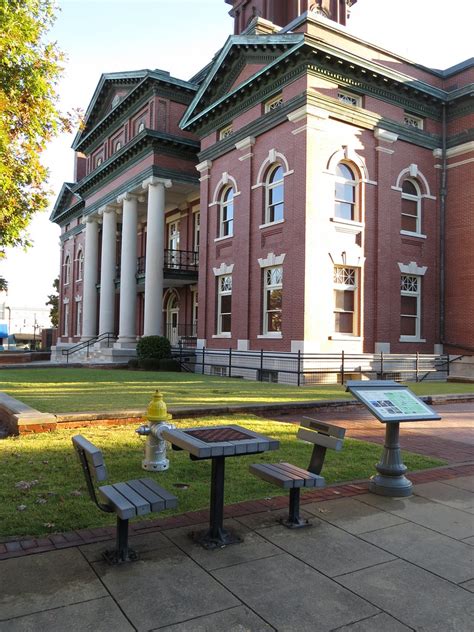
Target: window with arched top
{"x": 141, "y": 127}
{"x": 118, "y": 145}
{"x": 274, "y": 195}
{"x": 80, "y": 266}
{"x": 67, "y": 270}
{"x": 345, "y": 197}
{"x": 411, "y": 207}
{"x": 226, "y": 213}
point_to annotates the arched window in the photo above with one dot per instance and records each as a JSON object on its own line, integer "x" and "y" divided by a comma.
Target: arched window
{"x": 345, "y": 199}
{"x": 118, "y": 145}
{"x": 80, "y": 266}
{"x": 411, "y": 207}
{"x": 274, "y": 196}
{"x": 67, "y": 270}
{"x": 226, "y": 211}
{"x": 141, "y": 126}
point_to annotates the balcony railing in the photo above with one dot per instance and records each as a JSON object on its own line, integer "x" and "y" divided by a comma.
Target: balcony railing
{"x": 181, "y": 262}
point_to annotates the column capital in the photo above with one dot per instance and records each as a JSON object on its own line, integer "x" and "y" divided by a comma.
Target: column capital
{"x": 153, "y": 181}
{"x": 107, "y": 208}
{"x": 126, "y": 197}
{"x": 89, "y": 219}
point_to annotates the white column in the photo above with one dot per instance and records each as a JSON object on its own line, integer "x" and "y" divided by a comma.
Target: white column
{"x": 91, "y": 252}
{"x": 128, "y": 268}
{"x": 107, "y": 270}
{"x": 155, "y": 249}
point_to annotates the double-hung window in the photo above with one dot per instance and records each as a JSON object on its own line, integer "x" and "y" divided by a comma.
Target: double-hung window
{"x": 274, "y": 204}
{"x": 345, "y": 202}
{"x": 80, "y": 265}
{"x": 67, "y": 270}
{"x": 226, "y": 214}
{"x": 346, "y": 299}
{"x": 272, "y": 299}
{"x": 410, "y": 312}
{"x": 411, "y": 207}
{"x": 224, "y": 304}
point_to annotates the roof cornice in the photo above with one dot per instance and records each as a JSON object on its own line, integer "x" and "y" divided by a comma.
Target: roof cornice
{"x": 146, "y": 80}
{"x": 185, "y": 148}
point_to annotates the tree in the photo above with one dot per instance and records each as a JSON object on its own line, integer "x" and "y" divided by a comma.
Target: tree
{"x": 53, "y": 301}
{"x": 29, "y": 116}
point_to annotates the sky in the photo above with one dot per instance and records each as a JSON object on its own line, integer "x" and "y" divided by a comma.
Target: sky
{"x": 181, "y": 36}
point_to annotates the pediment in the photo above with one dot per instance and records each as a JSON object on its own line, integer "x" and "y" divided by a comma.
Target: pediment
{"x": 66, "y": 200}
{"x": 109, "y": 93}
{"x": 242, "y": 58}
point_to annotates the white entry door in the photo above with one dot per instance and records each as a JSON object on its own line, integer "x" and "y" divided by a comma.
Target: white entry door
{"x": 172, "y": 320}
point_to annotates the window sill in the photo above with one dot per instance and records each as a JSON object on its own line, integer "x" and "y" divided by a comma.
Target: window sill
{"x": 411, "y": 339}
{"x": 408, "y": 233}
{"x": 223, "y": 238}
{"x": 347, "y": 225}
{"x": 276, "y": 334}
{"x": 226, "y": 335}
{"x": 345, "y": 337}
{"x": 268, "y": 224}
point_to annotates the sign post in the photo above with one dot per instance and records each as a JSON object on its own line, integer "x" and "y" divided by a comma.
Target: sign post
{"x": 391, "y": 403}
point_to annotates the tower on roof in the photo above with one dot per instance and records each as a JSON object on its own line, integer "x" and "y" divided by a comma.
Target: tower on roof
{"x": 282, "y": 12}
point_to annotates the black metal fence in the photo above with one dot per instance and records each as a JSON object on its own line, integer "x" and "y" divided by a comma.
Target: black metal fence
{"x": 305, "y": 368}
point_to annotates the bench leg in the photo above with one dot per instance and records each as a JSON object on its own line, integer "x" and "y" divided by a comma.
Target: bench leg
{"x": 121, "y": 553}
{"x": 294, "y": 521}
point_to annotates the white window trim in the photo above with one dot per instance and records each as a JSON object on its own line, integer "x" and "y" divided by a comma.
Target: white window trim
{"x": 222, "y": 205}
{"x": 417, "y": 199}
{"x": 417, "y": 337}
{"x": 273, "y": 185}
{"x": 416, "y": 119}
{"x": 80, "y": 265}
{"x": 266, "y": 288}
{"x": 220, "y": 294}
{"x": 355, "y": 183}
{"x": 279, "y": 221}
{"x": 67, "y": 270}
{"x": 273, "y": 103}
{"x": 349, "y": 95}
{"x": 273, "y": 335}
{"x": 356, "y": 288}
{"x": 409, "y": 233}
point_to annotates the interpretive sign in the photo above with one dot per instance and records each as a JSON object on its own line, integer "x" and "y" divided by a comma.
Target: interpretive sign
{"x": 391, "y": 402}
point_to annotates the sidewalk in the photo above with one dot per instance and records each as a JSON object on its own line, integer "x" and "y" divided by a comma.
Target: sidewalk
{"x": 368, "y": 563}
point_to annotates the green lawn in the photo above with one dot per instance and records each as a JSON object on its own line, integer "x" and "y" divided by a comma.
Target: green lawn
{"x": 84, "y": 390}
{"x": 43, "y": 488}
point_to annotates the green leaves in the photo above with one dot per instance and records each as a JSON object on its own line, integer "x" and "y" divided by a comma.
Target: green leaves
{"x": 29, "y": 116}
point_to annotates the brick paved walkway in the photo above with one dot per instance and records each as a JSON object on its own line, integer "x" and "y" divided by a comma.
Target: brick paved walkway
{"x": 452, "y": 438}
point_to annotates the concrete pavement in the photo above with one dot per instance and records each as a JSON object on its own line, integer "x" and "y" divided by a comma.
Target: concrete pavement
{"x": 368, "y": 563}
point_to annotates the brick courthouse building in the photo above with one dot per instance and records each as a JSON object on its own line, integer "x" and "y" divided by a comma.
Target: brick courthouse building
{"x": 305, "y": 191}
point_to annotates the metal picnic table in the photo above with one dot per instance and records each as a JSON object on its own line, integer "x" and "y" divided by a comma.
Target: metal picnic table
{"x": 217, "y": 443}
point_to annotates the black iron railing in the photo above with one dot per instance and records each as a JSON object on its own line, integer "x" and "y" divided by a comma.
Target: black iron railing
{"x": 181, "y": 332}
{"x": 108, "y": 337}
{"x": 306, "y": 368}
{"x": 185, "y": 260}
{"x": 180, "y": 261}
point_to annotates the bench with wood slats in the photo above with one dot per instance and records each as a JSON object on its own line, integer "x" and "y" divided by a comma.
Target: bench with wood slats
{"x": 127, "y": 500}
{"x": 292, "y": 477}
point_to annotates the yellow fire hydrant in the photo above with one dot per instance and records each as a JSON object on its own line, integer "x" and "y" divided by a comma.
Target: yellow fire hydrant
{"x": 158, "y": 419}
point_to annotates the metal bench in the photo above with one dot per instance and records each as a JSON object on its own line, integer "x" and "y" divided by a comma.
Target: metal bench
{"x": 293, "y": 478}
{"x": 132, "y": 498}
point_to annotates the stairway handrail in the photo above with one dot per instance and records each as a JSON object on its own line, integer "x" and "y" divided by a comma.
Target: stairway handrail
{"x": 86, "y": 344}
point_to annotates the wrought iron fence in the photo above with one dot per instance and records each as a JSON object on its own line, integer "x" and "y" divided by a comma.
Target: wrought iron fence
{"x": 304, "y": 368}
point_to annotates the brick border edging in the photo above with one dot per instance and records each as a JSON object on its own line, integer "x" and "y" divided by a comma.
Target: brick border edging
{"x": 55, "y": 541}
